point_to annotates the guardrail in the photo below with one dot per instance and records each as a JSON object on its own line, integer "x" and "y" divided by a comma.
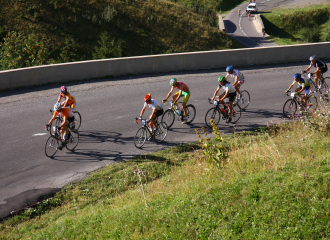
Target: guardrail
{"x": 159, "y": 63}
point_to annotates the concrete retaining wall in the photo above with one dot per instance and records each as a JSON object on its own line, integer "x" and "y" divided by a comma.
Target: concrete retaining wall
{"x": 159, "y": 63}
{"x": 258, "y": 23}
{"x": 221, "y": 24}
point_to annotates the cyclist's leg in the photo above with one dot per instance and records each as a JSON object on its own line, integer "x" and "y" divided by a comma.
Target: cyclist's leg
{"x": 152, "y": 121}
{"x": 305, "y": 96}
{"x": 185, "y": 101}
{"x": 72, "y": 105}
{"x": 317, "y": 77}
{"x": 222, "y": 102}
{"x": 231, "y": 97}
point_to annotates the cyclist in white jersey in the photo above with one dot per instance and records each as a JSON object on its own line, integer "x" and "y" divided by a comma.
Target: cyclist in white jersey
{"x": 229, "y": 92}
{"x": 238, "y": 76}
{"x": 157, "y": 110}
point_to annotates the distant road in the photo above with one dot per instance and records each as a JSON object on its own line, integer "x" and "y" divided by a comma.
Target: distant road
{"x": 243, "y": 29}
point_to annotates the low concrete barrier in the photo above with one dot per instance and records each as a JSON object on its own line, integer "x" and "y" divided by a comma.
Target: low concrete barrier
{"x": 221, "y": 24}
{"x": 258, "y": 23}
{"x": 159, "y": 63}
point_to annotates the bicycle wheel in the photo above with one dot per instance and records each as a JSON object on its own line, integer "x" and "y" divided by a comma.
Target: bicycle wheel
{"x": 214, "y": 114}
{"x": 51, "y": 146}
{"x": 161, "y": 132}
{"x": 236, "y": 114}
{"x": 73, "y": 140}
{"x": 289, "y": 108}
{"x": 312, "y": 88}
{"x": 140, "y": 137}
{"x": 168, "y": 118}
{"x": 77, "y": 120}
{"x": 56, "y": 123}
{"x": 191, "y": 113}
{"x": 324, "y": 88}
{"x": 245, "y": 100}
{"x": 311, "y": 103}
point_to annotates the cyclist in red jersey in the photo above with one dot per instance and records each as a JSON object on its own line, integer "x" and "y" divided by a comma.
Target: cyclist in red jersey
{"x": 69, "y": 98}
{"x": 184, "y": 91}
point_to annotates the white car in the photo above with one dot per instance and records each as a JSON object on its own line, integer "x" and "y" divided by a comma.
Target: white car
{"x": 252, "y": 8}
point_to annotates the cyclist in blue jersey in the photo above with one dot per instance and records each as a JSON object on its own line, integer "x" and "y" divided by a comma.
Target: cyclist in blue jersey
{"x": 229, "y": 92}
{"x": 320, "y": 66}
{"x": 304, "y": 86}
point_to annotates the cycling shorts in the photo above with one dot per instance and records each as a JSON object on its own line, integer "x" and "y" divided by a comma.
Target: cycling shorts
{"x": 70, "y": 119}
{"x": 241, "y": 81}
{"x": 72, "y": 105}
{"x": 186, "y": 96}
{"x": 306, "y": 89}
{"x": 232, "y": 96}
{"x": 159, "y": 113}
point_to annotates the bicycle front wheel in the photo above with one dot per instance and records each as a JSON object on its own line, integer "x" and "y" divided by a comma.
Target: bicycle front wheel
{"x": 73, "y": 141}
{"x": 168, "y": 118}
{"x": 51, "y": 146}
{"x": 56, "y": 123}
{"x": 161, "y": 132}
{"x": 236, "y": 114}
{"x": 244, "y": 100}
{"x": 311, "y": 103}
{"x": 140, "y": 137}
{"x": 212, "y": 114}
{"x": 289, "y": 108}
{"x": 191, "y": 113}
{"x": 77, "y": 120}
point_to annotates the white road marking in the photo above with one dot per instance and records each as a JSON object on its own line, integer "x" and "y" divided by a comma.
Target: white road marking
{"x": 239, "y": 23}
{"x": 39, "y": 134}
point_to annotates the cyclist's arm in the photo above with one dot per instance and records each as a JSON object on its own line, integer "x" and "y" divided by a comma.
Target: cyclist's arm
{"x": 224, "y": 96}
{"x": 170, "y": 93}
{"x": 179, "y": 95}
{"x": 290, "y": 86}
{"x": 59, "y": 98}
{"x": 215, "y": 93}
{"x": 226, "y": 77}
{"x": 317, "y": 69}
{"x": 52, "y": 119}
{"x": 64, "y": 122}
{"x": 66, "y": 101}
{"x": 236, "y": 80}
{"x": 142, "y": 111}
{"x": 302, "y": 89}
{"x": 307, "y": 69}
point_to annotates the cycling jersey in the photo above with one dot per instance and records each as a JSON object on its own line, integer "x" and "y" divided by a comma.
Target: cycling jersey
{"x": 303, "y": 83}
{"x": 228, "y": 87}
{"x": 65, "y": 112}
{"x": 69, "y": 98}
{"x": 154, "y": 105}
{"x": 237, "y": 74}
{"x": 184, "y": 88}
{"x": 319, "y": 64}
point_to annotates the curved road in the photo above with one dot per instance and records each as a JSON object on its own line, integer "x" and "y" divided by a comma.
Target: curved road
{"x": 108, "y": 110}
{"x": 242, "y": 28}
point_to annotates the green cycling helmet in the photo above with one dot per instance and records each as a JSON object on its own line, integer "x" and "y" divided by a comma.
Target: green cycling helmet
{"x": 222, "y": 78}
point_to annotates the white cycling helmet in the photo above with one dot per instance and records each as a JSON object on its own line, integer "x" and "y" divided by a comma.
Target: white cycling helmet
{"x": 311, "y": 58}
{"x": 173, "y": 81}
{"x": 57, "y": 106}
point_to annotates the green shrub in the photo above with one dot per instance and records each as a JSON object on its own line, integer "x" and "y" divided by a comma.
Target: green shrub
{"x": 310, "y": 35}
{"x": 18, "y": 51}
{"x": 108, "y": 47}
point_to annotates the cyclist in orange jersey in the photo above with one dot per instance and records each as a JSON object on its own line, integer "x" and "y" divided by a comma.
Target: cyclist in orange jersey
{"x": 67, "y": 116}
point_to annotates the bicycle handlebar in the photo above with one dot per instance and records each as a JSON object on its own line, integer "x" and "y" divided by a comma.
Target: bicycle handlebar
{"x": 145, "y": 120}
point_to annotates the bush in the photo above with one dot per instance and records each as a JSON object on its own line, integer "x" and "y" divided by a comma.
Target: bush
{"x": 108, "y": 47}
{"x": 18, "y": 51}
{"x": 310, "y": 35}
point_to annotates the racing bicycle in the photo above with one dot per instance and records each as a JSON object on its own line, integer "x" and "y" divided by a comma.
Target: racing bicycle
{"x": 244, "y": 101}
{"x": 218, "y": 111}
{"x": 291, "y": 105}
{"x": 58, "y": 121}
{"x": 323, "y": 86}
{"x": 169, "y": 115}
{"x": 54, "y": 141}
{"x": 144, "y": 132}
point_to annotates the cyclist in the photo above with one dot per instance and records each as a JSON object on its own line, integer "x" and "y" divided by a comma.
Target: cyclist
{"x": 304, "y": 85}
{"x": 238, "y": 76}
{"x": 229, "y": 92}
{"x": 67, "y": 116}
{"x": 320, "y": 66}
{"x": 69, "y": 98}
{"x": 184, "y": 91}
{"x": 157, "y": 110}
{"x": 239, "y": 12}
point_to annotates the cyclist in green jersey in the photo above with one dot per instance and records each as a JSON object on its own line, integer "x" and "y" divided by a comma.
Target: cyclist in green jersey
{"x": 304, "y": 85}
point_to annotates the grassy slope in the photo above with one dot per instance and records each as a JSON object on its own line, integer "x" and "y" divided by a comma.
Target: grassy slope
{"x": 266, "y": 188}
{"x": 283, "y": 24}
{"x": 147, "y": 27}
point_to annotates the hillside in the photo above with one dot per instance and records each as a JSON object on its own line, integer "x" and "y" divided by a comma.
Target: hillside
{"x": 71, "y": 30}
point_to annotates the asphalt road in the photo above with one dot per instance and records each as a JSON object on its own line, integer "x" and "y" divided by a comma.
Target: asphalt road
{"x": 108, "y": 108}
{"x": 242, "y": 28}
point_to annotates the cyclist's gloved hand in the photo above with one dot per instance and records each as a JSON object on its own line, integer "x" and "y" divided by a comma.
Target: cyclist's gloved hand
{"x": 303, "y": 71}
{"x": 164, "y": 100}
{"x": 286, "y": 91}
{"x": 140, "y": 118}
{"x": 59, "y": 128}
{"x": 47, "y": 126}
